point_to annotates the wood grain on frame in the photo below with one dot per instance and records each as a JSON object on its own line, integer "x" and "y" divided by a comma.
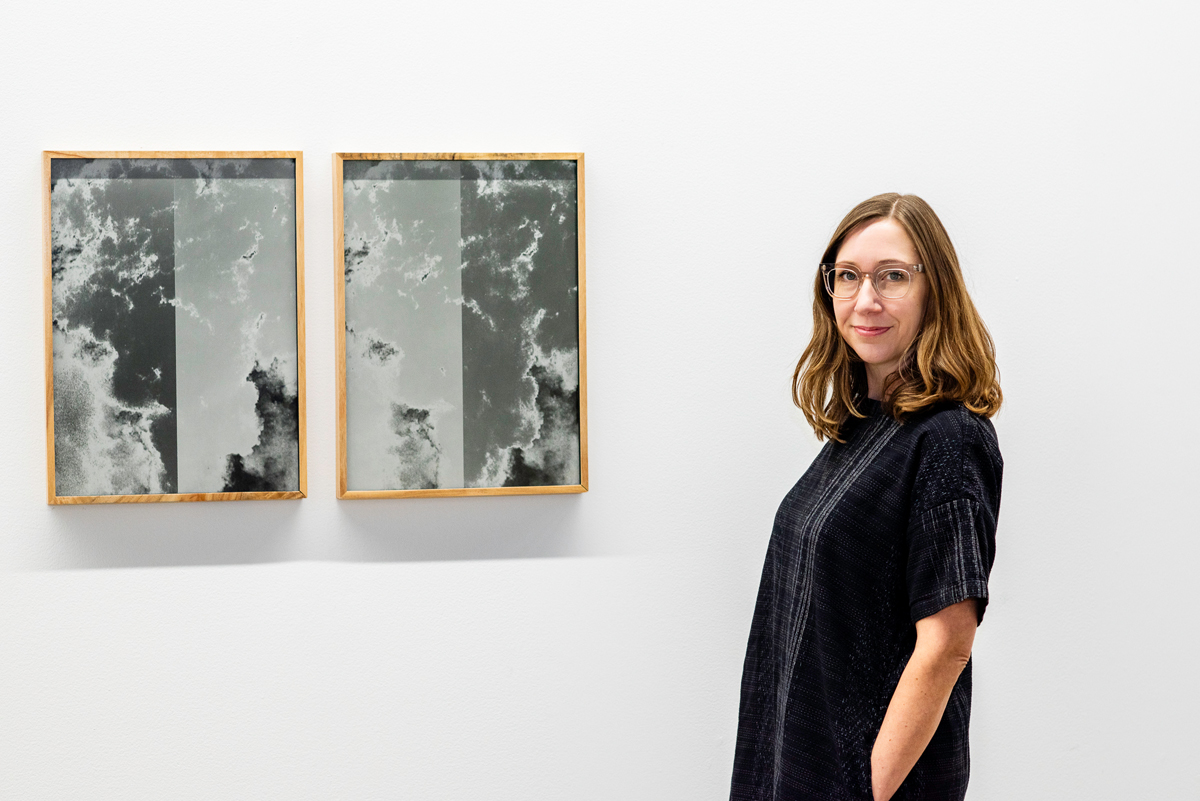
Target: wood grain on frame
{"x": 342, "y": 490}
{"x": 176, "y": 497}
{"x": 339, "y": 321}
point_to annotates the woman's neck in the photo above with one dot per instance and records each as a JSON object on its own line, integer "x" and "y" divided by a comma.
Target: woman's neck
{"x": 877, "y": 375}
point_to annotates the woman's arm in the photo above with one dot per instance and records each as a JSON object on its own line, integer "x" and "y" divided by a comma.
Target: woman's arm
{"x": 943, "y": 647}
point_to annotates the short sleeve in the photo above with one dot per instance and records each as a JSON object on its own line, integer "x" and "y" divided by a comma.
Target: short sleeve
{"x": 952, "y": 526}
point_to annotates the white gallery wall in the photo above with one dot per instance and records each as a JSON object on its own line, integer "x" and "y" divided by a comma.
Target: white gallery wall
{"x": 590, "y": 647}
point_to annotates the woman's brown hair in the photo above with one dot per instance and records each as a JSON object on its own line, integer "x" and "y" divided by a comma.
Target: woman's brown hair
{"x": 953, "y": 357}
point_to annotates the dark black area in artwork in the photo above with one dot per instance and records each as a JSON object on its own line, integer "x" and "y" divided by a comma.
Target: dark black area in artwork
{"x": 534, "y": 170}
{"x": 171, "y": 168}
{"x": 272, "y": 463}
{"x": 560, "y": 411}
{"x": 128, "y": 302}
{"x": 451, "y": 170}
{"x": 497, "y": 229}
{"x": 401, "y": 170}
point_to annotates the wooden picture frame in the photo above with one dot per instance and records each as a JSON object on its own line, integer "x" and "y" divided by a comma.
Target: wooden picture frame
{"x": 174, "y": 314}
{"x": 460, "y": 324}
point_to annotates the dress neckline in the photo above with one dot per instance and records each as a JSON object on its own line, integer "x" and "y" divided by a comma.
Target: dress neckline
{"x": 870, "y": 407}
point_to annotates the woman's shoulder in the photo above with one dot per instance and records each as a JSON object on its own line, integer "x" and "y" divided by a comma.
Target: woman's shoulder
{"x": 952, "y": 423}
{"x": 957, "y": 453}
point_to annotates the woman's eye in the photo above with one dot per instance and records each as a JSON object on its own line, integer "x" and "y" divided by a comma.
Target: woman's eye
{"x": 847, "y": 275}
{"x": 894, "y": 275}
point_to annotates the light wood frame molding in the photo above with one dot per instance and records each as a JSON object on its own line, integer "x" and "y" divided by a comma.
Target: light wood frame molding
{"x": 343, "y": 493}
{"x": 298, "y": 157}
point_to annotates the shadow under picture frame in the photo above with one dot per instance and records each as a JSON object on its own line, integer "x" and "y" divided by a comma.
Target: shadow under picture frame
{"x": 174, "y": 326}
{"x": 460, "y": 324}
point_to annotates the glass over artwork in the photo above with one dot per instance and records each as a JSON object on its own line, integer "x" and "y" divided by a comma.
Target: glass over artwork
{"x": 462, "y": 360}
{"x": 176, "y": 362}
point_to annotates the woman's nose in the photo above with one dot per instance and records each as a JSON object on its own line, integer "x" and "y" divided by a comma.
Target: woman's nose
{"x": 867, "y": 299}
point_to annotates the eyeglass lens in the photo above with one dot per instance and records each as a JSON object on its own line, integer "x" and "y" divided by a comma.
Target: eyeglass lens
{"x": 891, "y": 283}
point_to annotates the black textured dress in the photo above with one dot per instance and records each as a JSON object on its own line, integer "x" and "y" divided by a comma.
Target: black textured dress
{"x": 893, "y": 525}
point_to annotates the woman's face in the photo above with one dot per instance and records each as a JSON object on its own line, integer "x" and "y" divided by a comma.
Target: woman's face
{"x": 880, "y": 329}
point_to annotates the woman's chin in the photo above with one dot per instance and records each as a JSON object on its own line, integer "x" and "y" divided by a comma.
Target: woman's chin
{"x": 877, "y": 357}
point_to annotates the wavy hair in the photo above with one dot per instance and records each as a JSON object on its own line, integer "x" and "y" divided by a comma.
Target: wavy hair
{"x": 952, "y": 358}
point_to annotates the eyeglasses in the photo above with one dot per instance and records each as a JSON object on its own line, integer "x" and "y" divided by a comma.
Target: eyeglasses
{"x": 891, "y": 281}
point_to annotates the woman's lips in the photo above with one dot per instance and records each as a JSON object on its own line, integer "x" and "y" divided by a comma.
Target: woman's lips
{"x": 869, "y": 331}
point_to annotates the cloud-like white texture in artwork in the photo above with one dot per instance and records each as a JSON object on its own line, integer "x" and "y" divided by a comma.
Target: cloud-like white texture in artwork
{"x": 78, "y": 238}
{"x": 101, "y": 446}
{"x": 547, "y": 448}
{"x": 520, "y": 337}
{"x": 403, "y": 335}
{"x": 395, "y": 443}
{"x": 418, "y": 451}
{"x": 235, "y": 328}
{"x": 273, "y": 464}
{"x": 114, "y": 386}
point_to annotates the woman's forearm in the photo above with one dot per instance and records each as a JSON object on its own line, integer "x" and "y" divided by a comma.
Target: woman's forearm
{"x": 920, "y": 698}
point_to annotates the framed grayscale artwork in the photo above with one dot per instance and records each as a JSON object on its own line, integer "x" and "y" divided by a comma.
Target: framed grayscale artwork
{"x": 461, "y": 357}
{"x": 174, "y": 326}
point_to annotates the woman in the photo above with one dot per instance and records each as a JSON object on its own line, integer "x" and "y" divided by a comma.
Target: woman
{"x": 857, "y": 681}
